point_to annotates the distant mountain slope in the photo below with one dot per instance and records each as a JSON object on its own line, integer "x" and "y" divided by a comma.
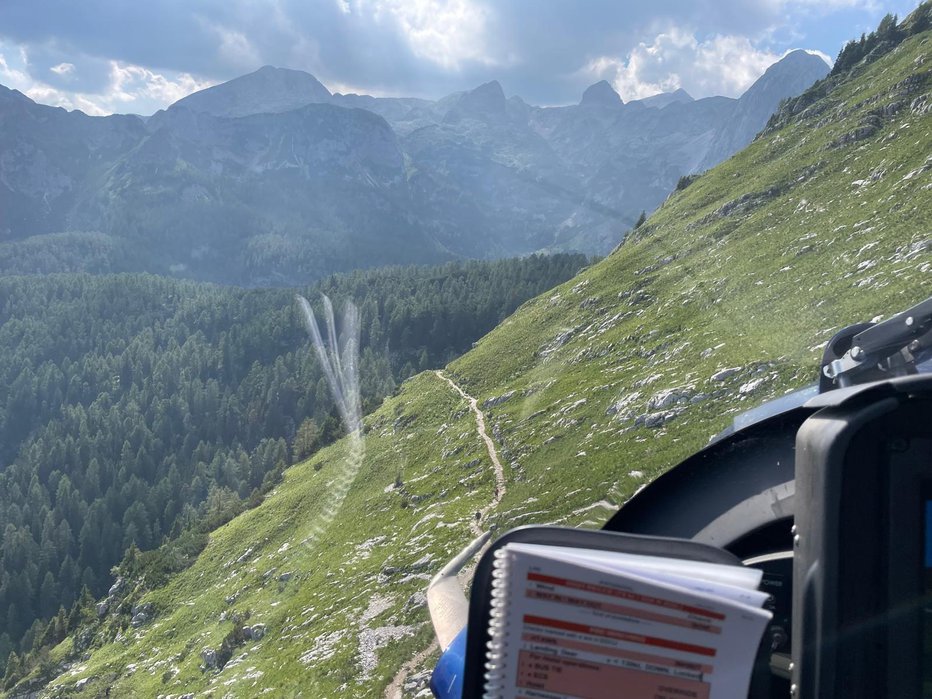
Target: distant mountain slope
{"x": 786, "y": 78}
{"x": 266, "y": 198}
{"x": 51, "y": 159}
{"x": 662, "y": 100}
{"x": 267, "y": 90}
{"x": 270, "y": 179}
{"x": 602, "y": 94}
{"x": 576, "y": 177}
{"x": 589, "y": 391}
{"x": 392, "y": 109}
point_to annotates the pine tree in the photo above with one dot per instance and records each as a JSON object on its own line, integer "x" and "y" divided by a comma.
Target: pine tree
{"x": 13, "y": 671}
{"x": 48, "y": 596}
{"x": 6, "y": 647}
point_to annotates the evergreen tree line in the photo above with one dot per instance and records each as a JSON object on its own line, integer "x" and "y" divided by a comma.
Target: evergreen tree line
{"x": 136, "y": 408}
{"x": 882, "y": 40}
{"x": 859, "y": 52}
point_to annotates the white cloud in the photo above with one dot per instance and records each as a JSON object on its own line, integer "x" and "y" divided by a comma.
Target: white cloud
{"x": 46, "y": 94}
{"x": 130, "y": 84}
{"x": 732, "y": 63}
{"x": 130, "y": 88}
{"x": 821, "y": 54}
{"x": 63, "y": 69}
{"x": 675, "y": 58}
{"x": 12, "y": 77}
{"x": 448, "y": 34}
{"x": 236, "y": 49}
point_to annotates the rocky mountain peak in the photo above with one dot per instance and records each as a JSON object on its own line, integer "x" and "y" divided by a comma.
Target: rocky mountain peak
{"x": 601, "y": 93}
{"x": 485, "y": 101}
{"x": 8, "y": 95}
{"x": 661, "y": 100}
{"x": 787, "y": 77}
{"x": 790, "y": 75}
{"x": 525, "y": 176}
{"x": 267, "y": 90}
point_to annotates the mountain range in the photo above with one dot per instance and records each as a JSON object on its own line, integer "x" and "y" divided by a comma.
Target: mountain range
{"x": 722, "y": 299}
{"x": 272, "y": 179}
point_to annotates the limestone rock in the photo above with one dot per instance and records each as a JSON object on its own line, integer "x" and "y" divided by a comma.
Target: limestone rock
{"x": 750, "y": 386}
{"x": 668, "y": 398}
{"x": 116, "y": 588}
{"x": 725, "y": 373}
{"x": 254, "y": 632}
{"x": 209, "y": 656}
{"x": 497, "y": 400}
{"x": 655, "y": 420}
{"x": 141, "y": 614}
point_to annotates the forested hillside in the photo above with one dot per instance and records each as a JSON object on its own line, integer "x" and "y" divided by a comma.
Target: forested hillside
{"x": 136, "y": 407}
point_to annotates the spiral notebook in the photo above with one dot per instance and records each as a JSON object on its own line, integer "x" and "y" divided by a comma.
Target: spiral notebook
{"x": 595, "y": 624}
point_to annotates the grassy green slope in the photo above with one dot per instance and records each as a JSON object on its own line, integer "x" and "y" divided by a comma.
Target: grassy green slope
{"x": 752, "y": 267}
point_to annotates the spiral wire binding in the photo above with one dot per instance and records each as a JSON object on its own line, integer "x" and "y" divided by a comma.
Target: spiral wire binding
{"x": 497, "y": 646}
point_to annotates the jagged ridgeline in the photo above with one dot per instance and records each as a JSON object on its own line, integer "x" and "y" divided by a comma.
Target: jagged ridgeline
{"x": 721, "y": 300}
{"x": 139, "y": 407}
{"x": 269, "y": 179}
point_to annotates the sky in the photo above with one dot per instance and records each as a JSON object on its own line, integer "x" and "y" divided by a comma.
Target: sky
{"x": 124, "y": 56}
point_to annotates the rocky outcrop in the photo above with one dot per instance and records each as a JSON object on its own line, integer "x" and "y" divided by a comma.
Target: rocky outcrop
{"x": 601, "y": 94}
{"x": 787, "y": 77}
{"x": 255, "y": 632}
{"x": 209, "y": 658}
{"x": 142, "y": 614}
{"x": 419, "y": 566}
{"x": 497, "y": 400}
{"x": 724, "y": 374}
{"x": 268, "y": 89}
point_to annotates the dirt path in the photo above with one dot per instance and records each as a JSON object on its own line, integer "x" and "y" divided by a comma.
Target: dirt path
{"x": 500, "y": 488}
{"x": 395, "y": 687}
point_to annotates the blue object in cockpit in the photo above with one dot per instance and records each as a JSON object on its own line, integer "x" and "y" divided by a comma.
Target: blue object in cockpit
{"x": 446, "y": 682}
